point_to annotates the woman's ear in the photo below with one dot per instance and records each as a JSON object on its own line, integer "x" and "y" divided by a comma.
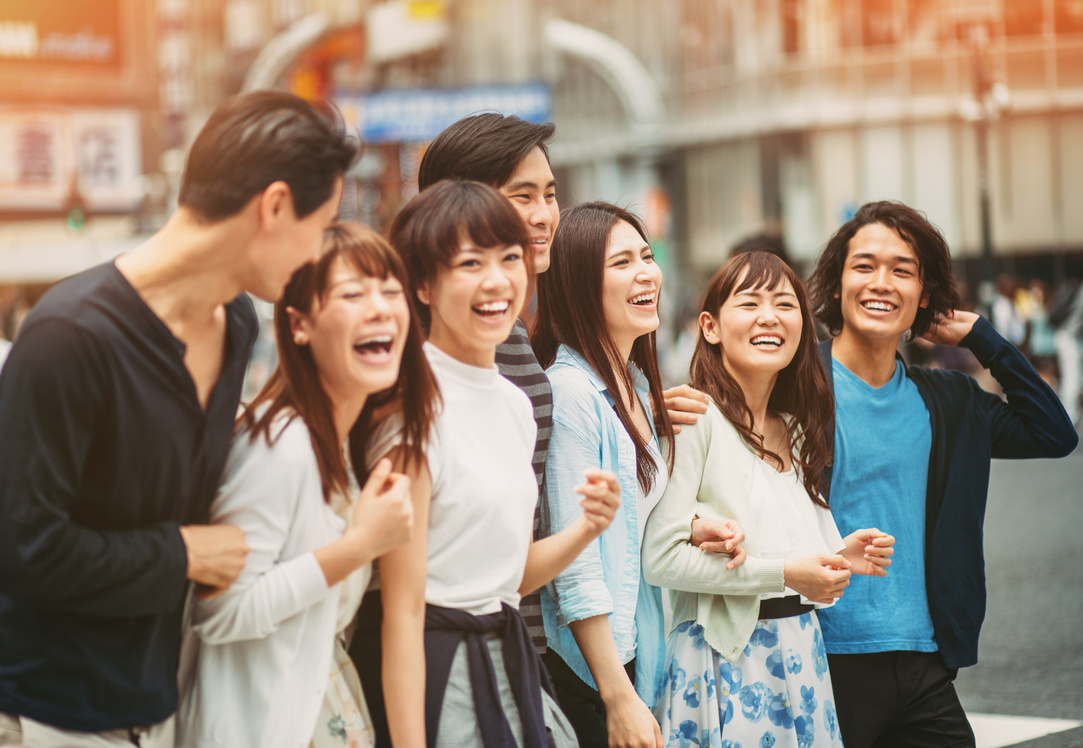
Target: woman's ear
{"x": 299, "y": 326}
{"x": 708, "y": 325}
{"x": 423, "y": 293}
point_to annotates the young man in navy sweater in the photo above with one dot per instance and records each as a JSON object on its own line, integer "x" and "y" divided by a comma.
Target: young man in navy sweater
{"x": 912, "y": 454}
{"x": 117, "y": 406}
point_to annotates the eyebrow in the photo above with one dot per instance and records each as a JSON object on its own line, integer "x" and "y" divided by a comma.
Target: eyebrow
{"x": 628, "y": 251}
{"x": 903, "y": 259}
{"x": 760, "y": 291}
{"x": 523, "y": 184}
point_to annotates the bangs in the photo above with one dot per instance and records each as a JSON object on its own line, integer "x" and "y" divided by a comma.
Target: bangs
{"x": 762, "y": 270}
{"x": 494, "y": 225}
{"x": 363, "y": 249}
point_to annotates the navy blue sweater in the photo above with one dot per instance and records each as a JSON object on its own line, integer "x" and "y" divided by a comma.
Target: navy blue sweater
{"x": 970, "y": 426}
{"x": 104, "y": 453}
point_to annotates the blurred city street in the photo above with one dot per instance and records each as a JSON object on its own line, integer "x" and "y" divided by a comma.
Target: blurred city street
{"x": 1032, "y": 642}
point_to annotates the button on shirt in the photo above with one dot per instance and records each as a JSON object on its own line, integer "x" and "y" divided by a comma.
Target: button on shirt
{"x": 104, "y": 453}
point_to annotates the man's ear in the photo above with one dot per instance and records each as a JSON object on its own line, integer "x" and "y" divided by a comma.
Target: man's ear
{"x": 924, "y": 303}
{"x": 708, "y": 326}
{"x": 276, "y": 203}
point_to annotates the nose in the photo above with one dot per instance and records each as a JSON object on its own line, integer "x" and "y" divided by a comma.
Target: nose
{"x": 494, "y": 277}
{"x": 379, "y": 307}
{"x": 881, "y": 278}
{"x": 767, "y": 315}
{"x": 539, "y": 212}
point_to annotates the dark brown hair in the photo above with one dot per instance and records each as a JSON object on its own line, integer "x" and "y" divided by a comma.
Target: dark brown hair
{"x": 930, "y": 248}
{"x": 429, "y": 230}
{"x": 295, "y": 383}
{"x": 801, "y": 389}
{"x": 257, "y": 138}
{"x": 483, "y": 148}
{"x": 570, "y": 312}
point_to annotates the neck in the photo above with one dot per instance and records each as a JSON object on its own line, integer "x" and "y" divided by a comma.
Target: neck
{"x": 182, "y": 272}
{"x": 872, "y": 361}
{"x": 757, "y": 393}
{"x": 345, "y": 410}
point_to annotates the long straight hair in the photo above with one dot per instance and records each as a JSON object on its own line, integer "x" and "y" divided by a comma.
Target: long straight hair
{"x": 295, "y": 384}
{"x": 570, "y": 312}
{"x": 801, "y": 389}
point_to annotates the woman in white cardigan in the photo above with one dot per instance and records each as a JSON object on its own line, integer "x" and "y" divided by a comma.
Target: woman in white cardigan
{"x": 746, "y": 662}
{"x": 265, "y": 662}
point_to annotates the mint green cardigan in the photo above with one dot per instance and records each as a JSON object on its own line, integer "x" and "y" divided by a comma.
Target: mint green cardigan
{"x": 712, "y": 476}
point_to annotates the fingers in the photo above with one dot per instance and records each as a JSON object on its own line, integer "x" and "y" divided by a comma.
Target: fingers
{"x": 378, "y": 477}
{"x": 834, "y": 560}
{"x": 739, "y": 557}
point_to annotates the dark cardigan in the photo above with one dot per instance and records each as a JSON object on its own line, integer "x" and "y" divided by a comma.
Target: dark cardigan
{"x": 969, "y": 427}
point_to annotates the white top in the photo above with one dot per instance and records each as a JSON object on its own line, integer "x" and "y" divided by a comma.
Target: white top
{"x": 646, "y": 502}
{"x": 256, "y": 659}
{"x": 483, "y": 486}
{"x": 787, "y": 522}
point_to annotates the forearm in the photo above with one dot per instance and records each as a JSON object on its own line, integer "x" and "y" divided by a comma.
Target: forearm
{"x": 253, "y": 608}
{"x": 61, "y": 566}
{"x": 595, "y": 641}
{"x": 551, "y": 555}
{"x": 403, "y": 675}
{"x": 343, "y": 557}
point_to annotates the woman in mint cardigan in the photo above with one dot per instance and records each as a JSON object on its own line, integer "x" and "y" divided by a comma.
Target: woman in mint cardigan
{"x": 745, "y": 657}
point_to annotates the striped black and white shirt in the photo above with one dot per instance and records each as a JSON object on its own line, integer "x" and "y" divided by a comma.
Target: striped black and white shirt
{"x": 517, "y": 362}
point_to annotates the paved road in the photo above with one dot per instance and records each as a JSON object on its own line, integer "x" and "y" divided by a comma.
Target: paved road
{"x": 1031, "y": 655}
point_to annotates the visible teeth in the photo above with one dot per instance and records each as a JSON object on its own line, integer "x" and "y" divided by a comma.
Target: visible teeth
{"x": 541, "y": 240}
{"x": 879, "y": 306}
{"x": 643, "y": 298}
{"x": 375, "y": 340}
{"x": 767, "y": 340}
{"x": 492, "y": 307}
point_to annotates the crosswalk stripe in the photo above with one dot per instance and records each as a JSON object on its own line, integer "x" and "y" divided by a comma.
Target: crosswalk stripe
{"x": 999, "y": 730}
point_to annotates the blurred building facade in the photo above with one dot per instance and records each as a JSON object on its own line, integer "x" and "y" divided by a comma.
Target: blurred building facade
{"x": 713, "y": 118}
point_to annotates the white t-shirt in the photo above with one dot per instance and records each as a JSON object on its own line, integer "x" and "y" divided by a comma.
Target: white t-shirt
{"x": 483, "y": 486}
{"x": 788, "y": 523}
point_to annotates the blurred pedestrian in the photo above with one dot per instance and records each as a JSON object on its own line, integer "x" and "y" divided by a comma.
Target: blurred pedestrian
{"x": 262, "y": 649}
{"x": 1066, "y": 319}
{"x": 595, "y": 331}
{"x": 116, "y": 410}
{"x": 894, "y": 647}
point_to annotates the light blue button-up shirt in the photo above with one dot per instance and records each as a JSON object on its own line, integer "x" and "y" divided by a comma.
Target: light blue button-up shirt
{"x": 607, "y": 577}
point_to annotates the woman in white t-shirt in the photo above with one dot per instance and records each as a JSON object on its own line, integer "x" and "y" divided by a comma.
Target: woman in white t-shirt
{"x": 746, "y": 660}
{"x": 265, "y": 662}
{"x": 459, "y": 667}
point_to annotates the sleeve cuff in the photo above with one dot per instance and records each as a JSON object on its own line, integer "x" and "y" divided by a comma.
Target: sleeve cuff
{"x": 983, "y": 341}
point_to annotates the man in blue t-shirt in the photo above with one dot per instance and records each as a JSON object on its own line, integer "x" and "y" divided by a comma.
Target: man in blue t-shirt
{"x": 911, "y": 456}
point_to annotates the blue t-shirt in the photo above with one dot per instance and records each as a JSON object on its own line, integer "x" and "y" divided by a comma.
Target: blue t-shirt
{"x": 882, "y": 442}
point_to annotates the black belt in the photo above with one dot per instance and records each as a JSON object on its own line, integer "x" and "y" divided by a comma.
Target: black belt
{"x": 783, "y": 607}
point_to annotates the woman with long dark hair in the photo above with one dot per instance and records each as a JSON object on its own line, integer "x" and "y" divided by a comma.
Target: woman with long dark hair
{"x": 266, "y": 662}
{"x": 746, "y": 661}
{"x": 595, "y": 331}
{"x": 459, "y": 668}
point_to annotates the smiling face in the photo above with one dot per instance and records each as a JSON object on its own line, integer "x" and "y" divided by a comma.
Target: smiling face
{"x": 533, "y": 191}
{"x": 475, "y": 301}
{"x": 631, "y": 283}
{"x": 356, "y": 332}
{"x": 758, "y": 330}
{"x": 880, "y": 291}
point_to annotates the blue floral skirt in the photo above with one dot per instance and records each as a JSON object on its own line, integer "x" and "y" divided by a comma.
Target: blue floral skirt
{"x": 776, "y": 695}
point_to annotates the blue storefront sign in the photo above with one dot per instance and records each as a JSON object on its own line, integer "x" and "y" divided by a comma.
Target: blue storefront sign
{"x": 419, "y": 115}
